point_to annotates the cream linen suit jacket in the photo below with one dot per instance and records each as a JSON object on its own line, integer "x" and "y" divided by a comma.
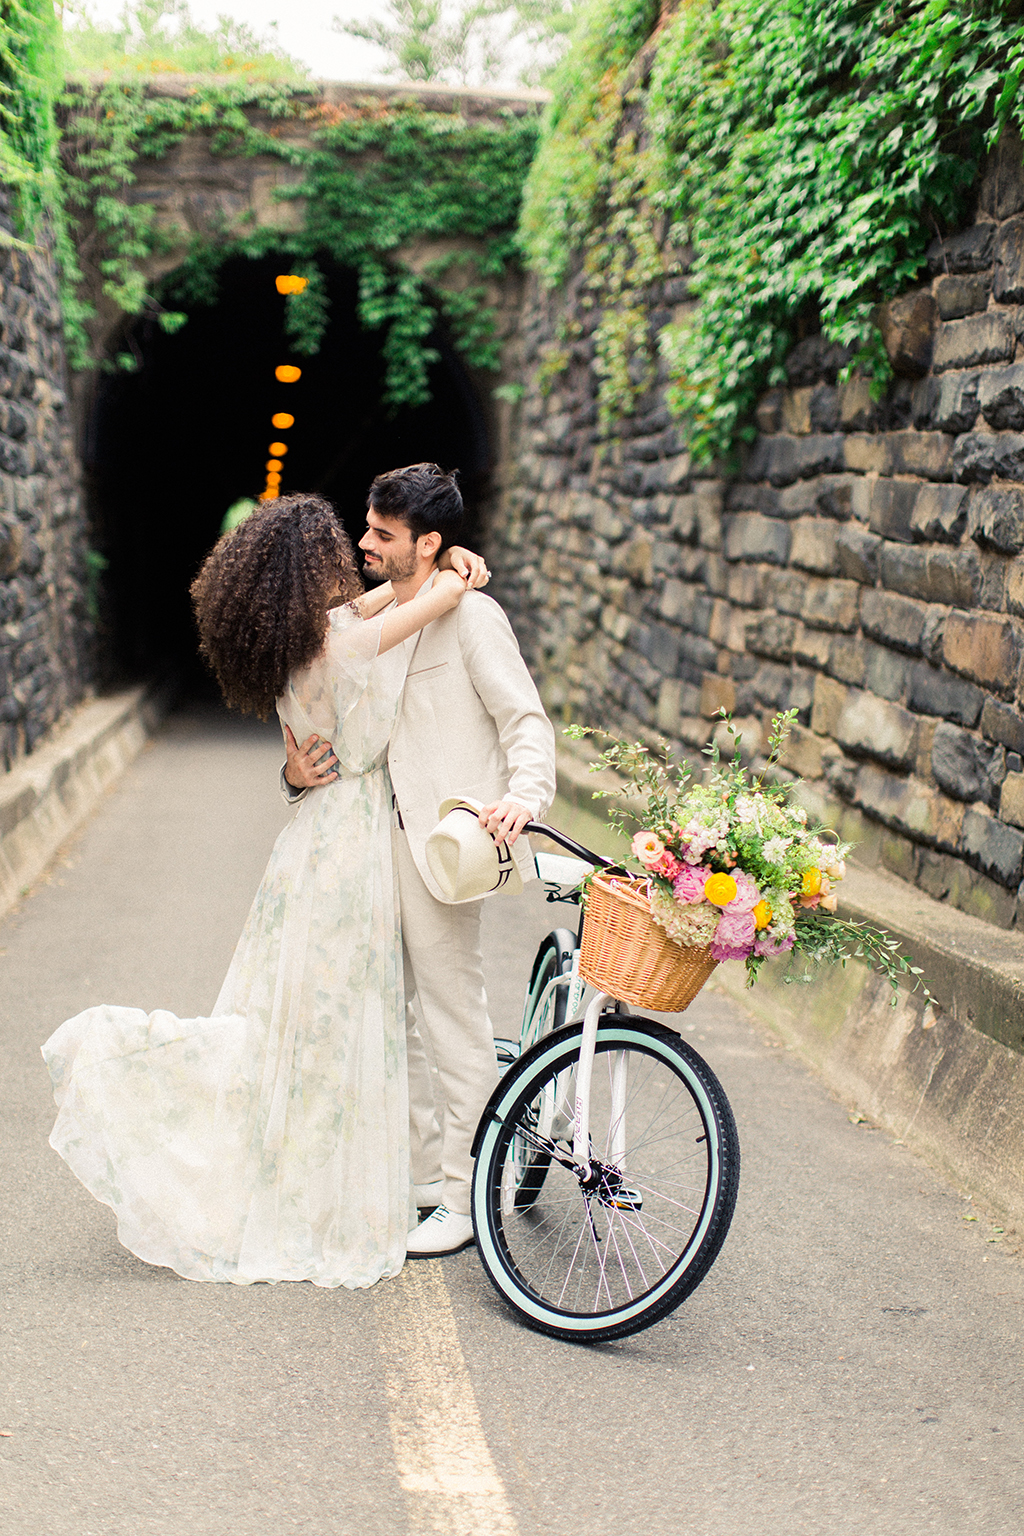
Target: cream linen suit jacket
{"x": 470, "y": 723}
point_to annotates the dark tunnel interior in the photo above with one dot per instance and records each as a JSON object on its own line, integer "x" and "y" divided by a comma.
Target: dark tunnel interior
{"x": 171, "y": 445}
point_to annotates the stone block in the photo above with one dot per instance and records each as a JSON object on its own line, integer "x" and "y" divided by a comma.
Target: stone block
{"x": 982, "y": 456}
{"x": 1001, "y": 397}
{"x": 796, "y": 411}
{"x": 891, "y": 508}
{"x": 969, "y": 250}
{"x": 768, "y": 411}
{"x": 771, "y": 635}
{"x": 1002, "y": 188}
{"x": 996, "y": 518}
{"x": 847, "y": 659}
{"x": 903, "y": 568}
{"x": 770, "y": 685}
{"x": 873, "y": 727}
{"x": 986, "y": 648}
{"x": 1008, "y": 279}
{"x": 921, "y": 453}
{"x": 954, "y": 576}
{"x": 749, "y": 536}
{"x": 829, "y": 703}
{"x": 717, "y": 693}
{"x": 867, "y": 454}
{"x": 898, "y": 621}
{"x": 831, "y": 604}
{"x": 784, "y": 589}
{"x": 1011, "y": 799}
{"x": 940, "y": 513}
{"x": 858, "y": 412}
{"x": 802, "y": 753}
{"x": 907, "y": 324}
{"x": 993, "y": 847}
{"x": 886, "y": 672}
{"x": 948, "y": 402}
{"x": 744, "y": 585}
{"x": 812, "y": 646}
{"x": 801, "y": 692}
{"x": 814, "y": 545}
{"x": 1014, "y": 586}
{"x": 934, "y": 691}
{"x": 907, "y": 804}
{"x": 957, "y": 296}
{"x": 987, "y": 338}
{"x": 965, "y": 765}
{"x": 696, "y": 656}
{"x": 668, "y": 708}
{"x": 857, "y": 552}
{"x": 798, "y": 498}
{"x": 677, "y": 600}
{"x": 682, "y": 517}
{"x": 1004, "y": 724}
{"x": 898, "y": 855}
{"x": 824, "y": 410}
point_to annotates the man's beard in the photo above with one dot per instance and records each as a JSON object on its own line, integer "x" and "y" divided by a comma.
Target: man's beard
{"x": 394, "y": 567}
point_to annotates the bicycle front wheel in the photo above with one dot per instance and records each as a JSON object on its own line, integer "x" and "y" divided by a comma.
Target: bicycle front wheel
{"x": 599, "y": 1256}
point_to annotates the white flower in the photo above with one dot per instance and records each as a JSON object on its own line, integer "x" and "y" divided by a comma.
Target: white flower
{"x": 774, "y": 849}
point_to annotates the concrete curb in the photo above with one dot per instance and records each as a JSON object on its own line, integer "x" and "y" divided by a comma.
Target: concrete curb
{"x": 47, "y": 796}
{"x": 948, "y": 1081}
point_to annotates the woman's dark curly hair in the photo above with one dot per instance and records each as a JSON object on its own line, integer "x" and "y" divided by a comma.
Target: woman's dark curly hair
{"x": 262, "y": 596}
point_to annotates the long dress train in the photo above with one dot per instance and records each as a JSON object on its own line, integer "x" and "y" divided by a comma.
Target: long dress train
{"x": 270, "y": 1141}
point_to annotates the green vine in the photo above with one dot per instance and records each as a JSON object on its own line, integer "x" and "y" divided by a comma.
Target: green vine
{"x": 372, "y": 181}
{"x": 806, "y": 152}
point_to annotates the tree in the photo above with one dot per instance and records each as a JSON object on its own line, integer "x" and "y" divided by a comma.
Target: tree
{"x": 468, "y": 42}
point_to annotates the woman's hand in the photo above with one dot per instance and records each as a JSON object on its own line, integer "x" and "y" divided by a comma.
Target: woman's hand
{"x": 309, "y": 766}
{"x": 466, "y": 564}
{"x": 450, "y": 586}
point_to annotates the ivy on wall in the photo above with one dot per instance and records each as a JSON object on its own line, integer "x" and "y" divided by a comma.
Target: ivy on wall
{"x": 373, "y": 180}
{"x": 807, "y": 153}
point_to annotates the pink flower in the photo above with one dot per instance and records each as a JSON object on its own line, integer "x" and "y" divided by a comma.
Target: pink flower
{"x": 747, "y": 894}
{"x": 688, "y": 886}
{"x": 668, "y": 866}
{"x": 734, "y": 937}
{"x": 648, "y": 848}
{"x": 764, "y": 944}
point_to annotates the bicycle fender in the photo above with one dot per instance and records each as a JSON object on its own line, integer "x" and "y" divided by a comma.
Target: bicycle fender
{"x": 525, "y": 1062}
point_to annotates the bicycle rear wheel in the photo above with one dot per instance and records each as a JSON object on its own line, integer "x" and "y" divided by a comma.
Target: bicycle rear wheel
{"x": 601, "y": 1257}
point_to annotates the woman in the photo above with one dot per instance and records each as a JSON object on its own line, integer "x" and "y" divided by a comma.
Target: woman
{"x": 269, "y": 1142}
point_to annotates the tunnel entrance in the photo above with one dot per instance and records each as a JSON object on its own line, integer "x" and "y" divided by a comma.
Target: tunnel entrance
{"x": 171, "y": 445}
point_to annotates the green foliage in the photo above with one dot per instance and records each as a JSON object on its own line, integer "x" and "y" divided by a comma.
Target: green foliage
{"x": 808, "y": 153}
{"x": 465, "y": 42}
{"x": 372, "y": 181}
{"x": 29, "y": 81}
{"x": 163, "y": 36}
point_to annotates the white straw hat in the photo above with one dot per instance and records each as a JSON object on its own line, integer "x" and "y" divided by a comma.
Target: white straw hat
{"x": 464, "y": 859}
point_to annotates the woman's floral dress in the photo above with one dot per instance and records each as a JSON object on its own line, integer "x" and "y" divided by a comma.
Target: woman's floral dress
{"x": 270, "y": 1142}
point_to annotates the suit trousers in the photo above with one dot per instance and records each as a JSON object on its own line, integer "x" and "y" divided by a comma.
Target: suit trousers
{"x": 452, "y": 1064}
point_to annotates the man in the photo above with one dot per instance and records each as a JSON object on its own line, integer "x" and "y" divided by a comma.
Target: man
{"x": 470, "y": 723}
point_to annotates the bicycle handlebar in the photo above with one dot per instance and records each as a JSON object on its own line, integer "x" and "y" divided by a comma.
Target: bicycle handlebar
{"x": 569, "y": 844}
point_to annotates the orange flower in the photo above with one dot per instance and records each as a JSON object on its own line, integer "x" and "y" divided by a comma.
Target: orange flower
{"x": 287, "y": 373}
{"x": 810, "y": 885}
{"x": 282, "y": 421}
{"x": 720, "y": 890}
{"x": 762, "y": 914}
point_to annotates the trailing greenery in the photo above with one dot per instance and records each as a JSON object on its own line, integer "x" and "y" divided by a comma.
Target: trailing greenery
{"x": 807, "y": 152}
{"x": 372, "y": 181}
{"x": 30, "y": 78}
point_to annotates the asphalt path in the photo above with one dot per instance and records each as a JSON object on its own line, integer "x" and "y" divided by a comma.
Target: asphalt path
{"x": 852, "y": 1363}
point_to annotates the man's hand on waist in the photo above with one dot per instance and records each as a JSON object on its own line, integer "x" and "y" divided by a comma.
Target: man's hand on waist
{"x": 310, "y": 766}
{"x": 505, "y": 819}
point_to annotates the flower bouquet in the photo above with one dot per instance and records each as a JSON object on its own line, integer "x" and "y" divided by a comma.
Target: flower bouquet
{"x": 729, "y": 866}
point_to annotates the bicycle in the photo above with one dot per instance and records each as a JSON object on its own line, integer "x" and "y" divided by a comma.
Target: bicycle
{"x": 607, "y": 1158}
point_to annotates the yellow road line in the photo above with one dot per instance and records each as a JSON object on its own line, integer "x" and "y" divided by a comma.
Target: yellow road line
{"x": 444, "y": 1463}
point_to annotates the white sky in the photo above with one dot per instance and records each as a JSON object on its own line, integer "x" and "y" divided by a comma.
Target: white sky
{"x": 303, "y": 29}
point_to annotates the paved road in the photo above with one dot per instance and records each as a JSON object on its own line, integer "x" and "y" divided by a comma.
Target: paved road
{"x": 853, "y": 1363}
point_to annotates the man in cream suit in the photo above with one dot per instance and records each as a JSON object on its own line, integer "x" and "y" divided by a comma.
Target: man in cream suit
{"x": 470, "y": 724}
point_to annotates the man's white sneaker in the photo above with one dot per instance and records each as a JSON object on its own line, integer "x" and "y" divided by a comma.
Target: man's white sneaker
{"x": 428, "y": 1196}
{"x": 442, "y": 1233}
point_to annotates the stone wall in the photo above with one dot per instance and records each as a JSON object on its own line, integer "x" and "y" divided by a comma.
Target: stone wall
{"x": 864, "y": 567}
{"x": 46, "y": 631}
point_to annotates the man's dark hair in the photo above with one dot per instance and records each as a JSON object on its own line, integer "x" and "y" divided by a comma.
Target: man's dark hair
{"x": 424, "y": 497}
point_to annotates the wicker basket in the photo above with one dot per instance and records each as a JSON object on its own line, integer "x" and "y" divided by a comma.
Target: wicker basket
{"x": 626, "y": 954}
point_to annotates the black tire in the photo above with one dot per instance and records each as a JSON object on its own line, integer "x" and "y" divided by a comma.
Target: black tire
{"x": 544, "y": 1013}
{"x": 606, "y": 1261}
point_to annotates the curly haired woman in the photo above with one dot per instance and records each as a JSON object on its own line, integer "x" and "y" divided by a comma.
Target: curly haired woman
{"x": 270, "y": 1141}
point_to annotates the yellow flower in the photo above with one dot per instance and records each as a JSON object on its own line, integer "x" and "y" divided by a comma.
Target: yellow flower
{"x": 810, "y": 885}
{"x": 720, "y": 890}
{"x": 762, "y": 914}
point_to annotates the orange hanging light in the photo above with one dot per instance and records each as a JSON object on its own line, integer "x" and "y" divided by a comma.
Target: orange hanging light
{"x": 287, "y": 373}
{"x": 274, "y": 464}
{"x": 290, "y": 282}
{"x": 282, "y": 421}
{"x": 278, "y": 450}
